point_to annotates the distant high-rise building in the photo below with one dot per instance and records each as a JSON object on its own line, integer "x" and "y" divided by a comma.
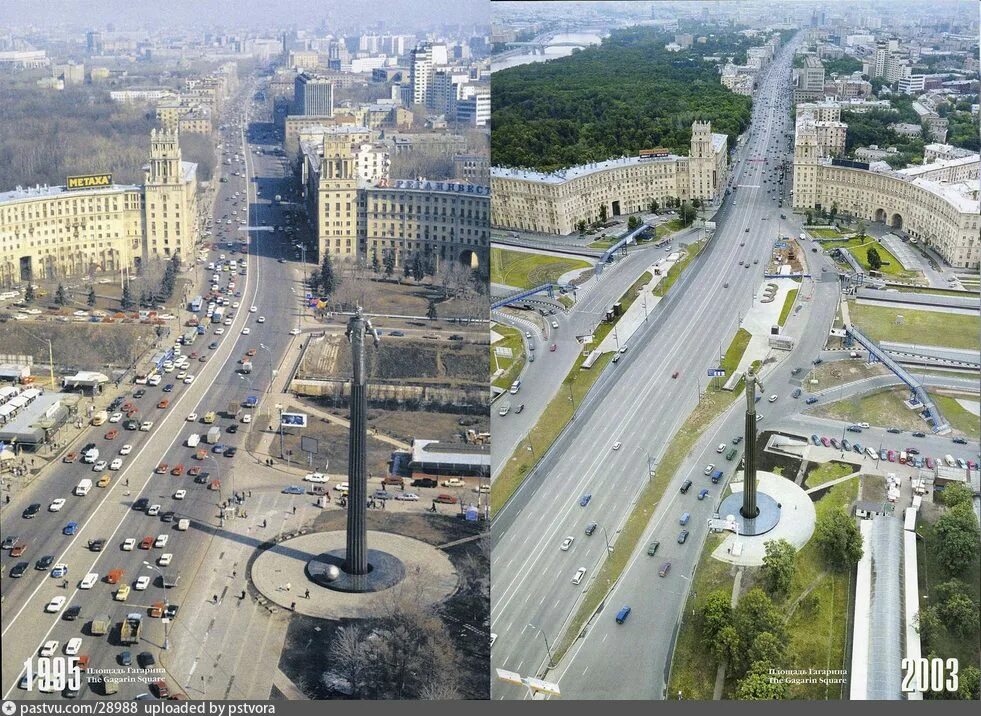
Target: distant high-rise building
{"x": 93, "y": 42}
{"x": 313, "y": 95}
{"x": 422, "y": 75}
{"x": 812, "y": 76}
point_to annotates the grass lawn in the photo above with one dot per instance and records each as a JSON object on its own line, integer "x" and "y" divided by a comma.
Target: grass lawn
{"x": 734, "y": 354}
{"x": 884, "y": 408}
{"x": 603, "y": 243}
{"x": 817, "y": 625}
{"x": 842, "y": 372}
{"x": 826, "y": 234}
{"x": 557, "y": 413}
{"x": 693, "y": 667}
{"x": 787, "y": 305}
{"x": 512, "y": 366}
{"x": 940, "y": 291}
{"x": 826, "y": 472}
{"x": 673, "y": 226}
{"x": 566, "y": 301}
{"x": 930, "y": 574}
{"x": 675, "y": 271}
{"x": 960, "y": 419}
{"x": 525, "y": 270}
{"x": 918, "y": 327}
{"x": 859, "y": 247}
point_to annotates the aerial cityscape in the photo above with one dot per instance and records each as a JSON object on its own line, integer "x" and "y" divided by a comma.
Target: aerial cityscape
{"x": 735, "y": 356}
{"x": 490, "y": 351}
{"x": 246, "y": 448}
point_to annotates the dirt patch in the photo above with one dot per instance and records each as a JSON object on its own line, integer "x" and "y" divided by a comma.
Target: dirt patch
{"x": 79, "y": 346}
{"x": 307, "y": 657}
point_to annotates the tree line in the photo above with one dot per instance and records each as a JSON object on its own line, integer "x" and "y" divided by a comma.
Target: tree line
{"x": 612, "y": 100}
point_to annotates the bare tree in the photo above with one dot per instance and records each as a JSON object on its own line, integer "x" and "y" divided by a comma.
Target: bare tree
{"x": 440, "y": 690}
{"x": 350, "y": 654}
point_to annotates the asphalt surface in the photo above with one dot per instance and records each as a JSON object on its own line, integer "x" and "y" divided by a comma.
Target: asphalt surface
{"x": 107, "y": 512}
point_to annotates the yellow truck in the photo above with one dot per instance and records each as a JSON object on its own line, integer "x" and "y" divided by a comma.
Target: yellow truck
{"x": 210, "y": 417}
{"x": 100, "y": 418}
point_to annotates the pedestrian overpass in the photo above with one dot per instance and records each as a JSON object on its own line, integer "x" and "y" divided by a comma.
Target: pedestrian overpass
{"x": 876, "y": 354}
{"x": 546, "y": 288}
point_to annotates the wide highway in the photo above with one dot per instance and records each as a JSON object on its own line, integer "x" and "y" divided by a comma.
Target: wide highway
{"x": 108, "y": 513}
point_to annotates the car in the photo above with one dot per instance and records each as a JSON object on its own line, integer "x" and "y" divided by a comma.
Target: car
{"x": 772, "y": 399}
{"x": 139, "y": 393}
{"x": 97, "y": 545}
{"x": 145, "y": 660}
{"x": 128, "y": 544}
{"x": 190, "y": 378}
{"x": 169, "y": 388}
{"x": 825, "y": 442}
{"x": 294, "y": 331}
{"x": 721, "y": 448}
{"x": 122, "y": 594}
{"x": 919, "y": 434}
{"x": 834, "y": 443}
{"x": 912, "y": 451}
{"x": 165, "y": 559}
{"x": 45, "y": 562}
{"x": 617, "y": 445}
{"x": 162, "y": 468}
{"x": 866, "y": 426}
{"x": 180, "y": 494}
{"x": 178, "y": 470}
{"x": 219, "y": 331}
{"x": 116, "y": 464}
{"x": 131, "y": 425}
{"x": 247, "y": 418}
{"x": 685, "y": 486}
{"x": 622, "y": 615}
{"x": 929, "y": 463}
{"x": 578, "y": 576}
{"x": 212, "y": 345}
{"x": 675, "y": 374}
{"x": 115, "y": 417}
{"x": 71, "y": 528}
{"x": 72, "y": 613}
{"x": 567, "y": 543}
{"x": 652, "y": 548}
{"x": 738, "y": 439}
{"x": 383, "y": 495}
{"x": 708, "y": 469}
{"x": 894, "y": 431}
{"x": 168, "y": 516}
{"x": 219, "y": 448}
{"x": 141, "y": 583}
{"x": 18, "y": 569}
{"x": 49, "y": 648}
{"x": 100, "y": 466}
{"x": 853, "y": 429}
{"x": 584, "y": 500}
{"x": 316, "y": 477}
{"x": 146, "y": 542}
{"x": 959, "y": 441}
{"x": 55, "y": 605}
{"x": 891, "y": 456}
{"x": 163, "y": 404}
{"x": 70, "y": 457}
{"x": 845, "y": 445}
{"x": 811, "y": 400}
{"x": 682, "y": 536}
{"x": 59, "y": 570}
{"x": 703, "y": 493}
{"x": 170, "y": 611}
{"x": 253, "y": 309}
{"x": 146, "y": 426}
{"x": 260, "y": 319}
{"x": 407, "y": 496}
{"x": 73, "y": 646}
{"x": 56, "y": 505}
{"x": 230, "y": 451}
{"x": 293, "y": 490}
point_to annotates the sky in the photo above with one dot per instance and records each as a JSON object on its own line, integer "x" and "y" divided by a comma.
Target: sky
{"x": 399, "y": 15}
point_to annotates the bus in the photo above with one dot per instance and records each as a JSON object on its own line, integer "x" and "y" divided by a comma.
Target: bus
{"x": 196, "y": 304}
{"x": 218, "y": 315}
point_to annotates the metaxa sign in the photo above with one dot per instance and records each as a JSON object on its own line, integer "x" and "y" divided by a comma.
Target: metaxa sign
{"x": 89, "y": 181}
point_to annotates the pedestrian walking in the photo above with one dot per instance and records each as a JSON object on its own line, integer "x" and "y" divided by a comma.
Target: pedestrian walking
{"x": 215, "y": 599}
{"x": 294, "y": 509}
{"x": 243, "y": 595}
{"x": 289, "y": 586}
{"x": 234, "y": 574}
{"x": 263, "y": 524}
{"x": 292, "y": 606}
{"x": 307, "y": 594}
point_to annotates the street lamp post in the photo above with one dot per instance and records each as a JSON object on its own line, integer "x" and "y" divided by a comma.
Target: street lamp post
{"x": 166, "y": 620}
{"x": 548, "y": 648}
{"x": 266, "y": 349}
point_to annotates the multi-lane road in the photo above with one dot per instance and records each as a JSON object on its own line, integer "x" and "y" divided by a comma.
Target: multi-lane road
{"x": 275, "y": 289}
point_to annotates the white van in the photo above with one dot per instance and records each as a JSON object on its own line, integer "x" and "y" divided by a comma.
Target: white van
{"x": 193, "y": 440}
{"x": 153, "y": 379}
{"x": 951, "y": 462}
{"x": 83, "y": 487}
{"x": 183, "y": 524}
{"x": 91, "y": 456}
{"x": 515, "y": 387}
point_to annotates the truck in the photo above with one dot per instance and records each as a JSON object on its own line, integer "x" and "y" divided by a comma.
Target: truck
{"x": 214, "y": 435}
{"x": 219, "y": 315}
{"x": 83, "y": 488}
{"x": 193, "y": 440}
{"x": 247, "y": 366}
{"x": 129, "y": 630}
{"x": 716, "y": 476}
{"x": 91, "y": 456}
{"x": 251, "y": 401}
{"x": 100, "y": 417}
{"x": 101, "y": 624}
{"x": 196, "y": 304}
{"x": 210, "y": 417}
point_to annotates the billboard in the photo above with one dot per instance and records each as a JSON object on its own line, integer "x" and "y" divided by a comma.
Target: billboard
{"x": 656, "y": 153}
{"x": 297, "y": 420}
{"x": 89, "y": 181}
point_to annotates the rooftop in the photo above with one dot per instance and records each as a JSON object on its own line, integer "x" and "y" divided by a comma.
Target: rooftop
{"x": 36, "y": 192}
{"x": 432, "y": 451}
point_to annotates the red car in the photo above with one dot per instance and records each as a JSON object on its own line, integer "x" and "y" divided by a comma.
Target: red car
{"x": 891, "y": 455}
{"x": 194, "y": 471}
{"x": 70, "y": 457}
{"x": 162, "y": 468}
{"x": 146, "y": 543}
{"x": 445, "y": 499}
{"x": 111, "y": 435}
{"x": 929, "y": 462}
{"x": 18, "y": 549}
{"x": 163, "y": 691}
{"x": 178, "y": 471}
{"x": 163, "y": 404}
{"x": 825, "y": 442}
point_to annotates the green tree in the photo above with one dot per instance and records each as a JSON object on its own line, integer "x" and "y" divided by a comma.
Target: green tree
{"x": 955, "y": 608}
{"x": 418, "y": 267}
{"x": 969, "y": 686}
{"x": 860, "y": 229}
{"x": 431, "y": 310}
{"x": 389, "y": 261}
{"x": 715, "y": 615}
{"x": 581, "y": 226}
{"x": 29, "y": 293}
{"x": 632, "y": 223}
{"x": 757, "y": 686}
{"x": 872, "y": 256}
{"x": 956, "y": 542}
{"x": 696, "y": 202}
{"x": 126, "y": 300}
{"x": 375, "y": 264}
{"x": 928, "y": 624}
{"x": 838, "y": 539}
{"x": 602, "y": 213}
{"x": 808, "y": 218}
{"x": 687, "y": 213}
{"x": 779, "y": 566}
{"x": 766, "y": 649}
{"x": 60, "y": 298}
{"x": 328, "y": 280}
{"x": 955, "y": 494}
{"x": 653, "y": 206}
{"x": 91, "y": 297}
{"x": 727, "y": 645}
